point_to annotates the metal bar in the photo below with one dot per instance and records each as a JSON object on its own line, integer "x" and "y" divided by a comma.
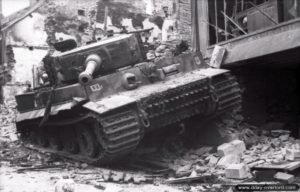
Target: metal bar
{"x": 233, "y": 22}
{"x": 225, "y": 19}
{"x": 105, "y": 19}
{"x": 216, "y": 21}
{"x": 225, "y": 32}
{"x": 242, "y": 5}
{"x": 262, "y": 12}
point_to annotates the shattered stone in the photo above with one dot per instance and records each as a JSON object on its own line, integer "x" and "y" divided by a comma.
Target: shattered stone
{"x": 227, "y": 160}
{"x": 265, "y": 148}
{"x": 284, "y": 177}
{"x": 284, "y": 137}
{"x": 128, "y": 178}
{"x": 138, "y": 179}
{"x": 235, "y": 147}
{"x": 201, "y": 169}
{"x": 193, "y": 174}
{"x": 237, "y": 171}
{"x": 212, "y": 160}
{"x": 117, "y": 176}
{"x": 193, "y": 157}
{"x": 65, "y": 185}
{"x": 183, "y": 171}
{"x": 292, "y": 154}
{"x": 84, "y": 165}
{"x": 106, "y": 176}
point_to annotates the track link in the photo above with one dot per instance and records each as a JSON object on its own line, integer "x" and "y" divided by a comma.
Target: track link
{"x": 115, "y": 135}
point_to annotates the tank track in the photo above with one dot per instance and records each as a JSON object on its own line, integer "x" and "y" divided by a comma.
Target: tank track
{"x": 227, "y": 91}
{"x": 119, "y": 134}
{"x": 98, "y": 139}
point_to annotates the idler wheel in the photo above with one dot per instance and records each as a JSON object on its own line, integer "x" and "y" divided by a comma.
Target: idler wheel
{"x": 69, "y": 141}
{"x": 33, "y": 136}
{"x": 42, "y": 139}
{"x": 55, "y": 142}
{"x": 86, "y": 140}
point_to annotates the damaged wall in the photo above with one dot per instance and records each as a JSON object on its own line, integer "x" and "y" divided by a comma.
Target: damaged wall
{"x": 171, "y": 19}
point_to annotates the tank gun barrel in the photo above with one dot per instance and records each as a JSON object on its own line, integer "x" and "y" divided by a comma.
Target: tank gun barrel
{"x": 92, "y": 63}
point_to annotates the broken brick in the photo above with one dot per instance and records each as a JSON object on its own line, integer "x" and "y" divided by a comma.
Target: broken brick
{"x": 212, "y": 160}
{"x": 183, "y": 171}
{"x": 139, "y": 179}
{"x": 237, "y": 171}
{"x": 292, "y": 154}
{"x": 128, "y": 178}
{"x": 284, "y": 177}
{"x": 235, "y": 147}
{"x": 284, "y": 137}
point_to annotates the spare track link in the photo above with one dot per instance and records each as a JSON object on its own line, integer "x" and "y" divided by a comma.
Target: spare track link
{"x": 116, "y": 135}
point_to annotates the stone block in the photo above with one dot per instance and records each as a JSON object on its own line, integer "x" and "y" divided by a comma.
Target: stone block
{"x": 227, "y": 160}
{"x": 237, "y": 171}
{"x": 284, "y": 177}
{"x": 235, "y": 147}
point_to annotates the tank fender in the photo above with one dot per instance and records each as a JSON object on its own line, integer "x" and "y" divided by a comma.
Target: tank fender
{"x": 109, "y": 103}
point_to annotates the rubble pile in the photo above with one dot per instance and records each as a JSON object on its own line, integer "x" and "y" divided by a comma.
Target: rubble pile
{"x": 158, "y": 50}
{"x": 7, "y": 118}
{"x": 234, "y": 162}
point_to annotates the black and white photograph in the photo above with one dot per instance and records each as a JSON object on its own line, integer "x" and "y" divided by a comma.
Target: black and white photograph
{"x": 149, "y": 95}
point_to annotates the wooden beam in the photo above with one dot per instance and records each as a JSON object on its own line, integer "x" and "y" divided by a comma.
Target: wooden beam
{"x": 11, "y": 20}
{"x": 203, "y": 32}
{"x": 216, "y": 21}
{"x": 225, "y": 19}
{"x": 233, "y": 22}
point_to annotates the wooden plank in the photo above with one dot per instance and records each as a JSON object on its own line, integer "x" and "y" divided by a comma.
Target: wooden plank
{"x": 290, "y": 166}
{"x": 216, "y": 21}
{"x": 188, "y": 179}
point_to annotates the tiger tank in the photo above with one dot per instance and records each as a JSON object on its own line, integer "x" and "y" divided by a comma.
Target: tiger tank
{"x": 103, "y": 98}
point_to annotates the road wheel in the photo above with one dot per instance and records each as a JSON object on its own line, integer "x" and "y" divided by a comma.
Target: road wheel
{"x": 42, "y": 139}
{"x": 69, "y": 140}
{"x": 86, "y": 140}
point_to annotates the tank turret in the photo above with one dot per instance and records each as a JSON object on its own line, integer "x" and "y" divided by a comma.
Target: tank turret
{"x": 98, "y": 59}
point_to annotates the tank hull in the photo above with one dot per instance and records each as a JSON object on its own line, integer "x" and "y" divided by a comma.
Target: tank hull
{"x": 99, "y": 131}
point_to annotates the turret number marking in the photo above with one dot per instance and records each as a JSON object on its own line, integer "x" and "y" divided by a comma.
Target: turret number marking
{"x": 96, "y": 87}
